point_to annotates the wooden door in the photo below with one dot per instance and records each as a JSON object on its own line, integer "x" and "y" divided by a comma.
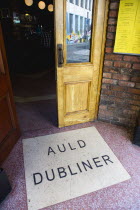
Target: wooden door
{"x": 9, "y": 129}
{"x": 78, "y": 82}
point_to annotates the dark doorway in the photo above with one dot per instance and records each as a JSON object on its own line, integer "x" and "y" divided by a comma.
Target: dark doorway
{"x": 29, "y": 40}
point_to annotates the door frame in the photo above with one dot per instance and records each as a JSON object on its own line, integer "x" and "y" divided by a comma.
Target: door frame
{"x": 101, "y": 61}
{"x": 99, "y": 33}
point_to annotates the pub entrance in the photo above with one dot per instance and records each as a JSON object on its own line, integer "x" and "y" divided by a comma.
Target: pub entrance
{"x": 27, "y": 26}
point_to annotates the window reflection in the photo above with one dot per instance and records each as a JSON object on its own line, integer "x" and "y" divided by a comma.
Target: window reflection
{"x": 78, "y": 26}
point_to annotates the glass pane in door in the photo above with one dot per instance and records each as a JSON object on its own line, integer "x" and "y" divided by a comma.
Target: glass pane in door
{"x": 79, "y": 30}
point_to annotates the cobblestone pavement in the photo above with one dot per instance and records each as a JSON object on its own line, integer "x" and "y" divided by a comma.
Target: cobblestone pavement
{"x": 78, "y": 52}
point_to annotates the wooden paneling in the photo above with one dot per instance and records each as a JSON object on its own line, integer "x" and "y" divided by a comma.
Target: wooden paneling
{"x": 5, "y": 118}
{"x": 3, "y": 85}
{"x": 9, "y": 129}
{"x": 76, "y": 98}
{"x": 78, "y": 73}
{"x": 2, "y": 71}
{"x": 76, "y": 118}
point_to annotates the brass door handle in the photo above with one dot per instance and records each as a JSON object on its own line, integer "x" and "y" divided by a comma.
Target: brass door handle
{"x": 60, "y": 55}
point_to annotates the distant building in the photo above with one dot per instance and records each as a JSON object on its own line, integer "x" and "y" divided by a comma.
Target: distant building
{"x": 79, "y": 19}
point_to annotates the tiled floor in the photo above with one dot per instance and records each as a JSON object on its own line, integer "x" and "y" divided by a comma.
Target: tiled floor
{"x": 124, "y": 195}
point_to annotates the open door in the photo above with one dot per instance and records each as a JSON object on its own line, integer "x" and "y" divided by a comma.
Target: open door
{"x": 9, "y": 129}
{"x": 80, "y": 28}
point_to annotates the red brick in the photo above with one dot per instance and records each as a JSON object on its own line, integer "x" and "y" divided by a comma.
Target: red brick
{"x": 136, "y": 66}
{"x": 110, "y": 69}
{"x": 103, "y": 107}
{"x": 111, "y": 35}
{"x": 136, "y": 108}
{"x": 106, "y": 86}
{"x": 107, "y": 99}
{"x": 126, "y": 90}
{"x": 136, "y": 72}
{"x": 108, "y": 63}
{"x": 118, "y": 88}
{"x": 128, "y": 122}
{"x": 131, "y": 58}
{"x": 133, "y": 102}
{"x": 136, "y": 97}
{"x": 110, "y": 81}
{"x": 112, "y": 21}
{"x": 108, "y": 92}
{"x": 109, "y": 49}
{"x": 114, "y": 5}
{"x": 134, "y": 91}
{"x": 126, "y": 84}
{"x": 123, "y": 95}
{"x": 111, "y": 107}
{"x": 120, "y": 64}
{"x": 113, "y": 13}
{"x": 129, "y": 117}
{"x": 107, "y": 75}
{"x": 126, "y": 71}
{"x": 129, "y": 112}
{"x": 105, "y": 113}
{"x": 121, "y": 77}
{"x": 114, "y": 57}
{"x": 119, "y": 100}
{"x": 111, "y": 28}
{"x": 138, "y": 85}
{"x": 109, "y": 43}
{"x": 135, "y": 79}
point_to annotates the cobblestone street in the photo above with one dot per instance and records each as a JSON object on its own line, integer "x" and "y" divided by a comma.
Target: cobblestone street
{"x": 78, "y": 52}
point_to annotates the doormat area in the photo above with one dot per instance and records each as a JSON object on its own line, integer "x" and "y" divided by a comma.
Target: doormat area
{"x": 66, "y": 165}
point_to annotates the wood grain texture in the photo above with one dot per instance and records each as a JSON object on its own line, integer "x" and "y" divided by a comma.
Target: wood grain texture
{"x": 5, "y": 119}
{"x": 9, "y": 128}
{"x": 106, "y": 10}
{"x": 77, "y": 118}
{"x": 2, "y": 71}
{"x": 58, "y": 4}
{"x": 78, "y": 85}
{"x": 76, "y": 97}
{"x": 78, "y": 73}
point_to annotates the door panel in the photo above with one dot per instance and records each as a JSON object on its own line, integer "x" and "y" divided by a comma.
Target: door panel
{"x": 5, "y": 119}
{"x": 2, "y": 71}
{"x": 79, "y": 81}
{"x": 76, "y": 96}
{"x": 9, "y": 129}
{"x": 77, "y": 73}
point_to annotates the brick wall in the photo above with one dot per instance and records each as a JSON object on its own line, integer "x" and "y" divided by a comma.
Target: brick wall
{"x": 120, "y": 94}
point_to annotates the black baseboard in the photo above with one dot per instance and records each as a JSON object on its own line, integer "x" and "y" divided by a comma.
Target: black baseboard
{"x": 136, "y": 139}
{"x": 5, "y": 187}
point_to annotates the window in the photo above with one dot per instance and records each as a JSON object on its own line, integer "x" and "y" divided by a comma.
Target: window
{"x": 67, "y": 21}
{"x": 81, "y": 25}
{"x": 82, "y": 3}
{"x": 89, "y": 4}
{"x": 77, "y": 2}
{"x": 85, "y": 25}
{"x": 71, "y": 1}
{"x": 76, "y": 23}
{"x": 71, "y": 23}
{"x": 78, "y": 33}
{"x": 86, "y": 4}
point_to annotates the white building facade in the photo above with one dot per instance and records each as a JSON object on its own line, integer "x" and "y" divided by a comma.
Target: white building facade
{"x": 79, "y": 17}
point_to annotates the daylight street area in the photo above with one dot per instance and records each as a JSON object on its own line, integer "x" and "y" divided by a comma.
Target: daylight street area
{"x": 78, "y": 52}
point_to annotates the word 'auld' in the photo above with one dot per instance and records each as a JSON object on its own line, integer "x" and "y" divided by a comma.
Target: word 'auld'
{"x": 64, "y": 148}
